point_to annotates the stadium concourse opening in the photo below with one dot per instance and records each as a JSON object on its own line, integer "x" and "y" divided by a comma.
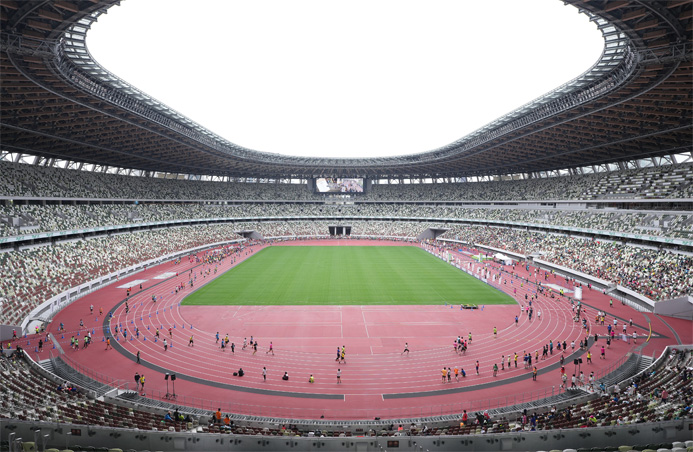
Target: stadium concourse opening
{"x": 457, "y": 358}
{"x": 339, "y": 230}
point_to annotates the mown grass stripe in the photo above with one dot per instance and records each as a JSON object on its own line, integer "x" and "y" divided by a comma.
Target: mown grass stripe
{"x": 344, "y": 275}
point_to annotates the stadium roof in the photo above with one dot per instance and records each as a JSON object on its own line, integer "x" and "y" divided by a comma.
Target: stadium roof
{"x": 57, "y": 102}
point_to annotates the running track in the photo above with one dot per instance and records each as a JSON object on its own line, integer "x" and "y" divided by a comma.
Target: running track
{"x": 377, "y": 379}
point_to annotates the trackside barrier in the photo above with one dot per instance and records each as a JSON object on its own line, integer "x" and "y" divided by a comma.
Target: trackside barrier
{"x": 59, "y": 435}
{"x": 408, "y": 413}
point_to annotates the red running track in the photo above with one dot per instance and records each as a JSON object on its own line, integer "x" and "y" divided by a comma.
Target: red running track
{"x": 377, "y": 380}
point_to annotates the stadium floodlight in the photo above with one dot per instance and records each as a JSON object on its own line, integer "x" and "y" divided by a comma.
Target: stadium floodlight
{"x": 173, "y": 391}
{"x": 168, "y": 395}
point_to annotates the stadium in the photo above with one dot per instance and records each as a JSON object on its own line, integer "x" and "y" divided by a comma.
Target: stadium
{"x": 136, "y": 243}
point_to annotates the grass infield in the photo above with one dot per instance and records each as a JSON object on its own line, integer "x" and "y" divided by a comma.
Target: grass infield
{"x": 343, "y": 275}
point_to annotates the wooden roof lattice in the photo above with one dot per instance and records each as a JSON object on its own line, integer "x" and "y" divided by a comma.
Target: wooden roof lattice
{"x": 635, "y": 102}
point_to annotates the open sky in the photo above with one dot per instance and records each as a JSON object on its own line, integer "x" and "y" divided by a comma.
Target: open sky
{"x": 331, "y": 78}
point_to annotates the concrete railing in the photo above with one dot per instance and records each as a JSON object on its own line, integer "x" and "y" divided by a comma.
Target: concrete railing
{"x": 63, "y": 435}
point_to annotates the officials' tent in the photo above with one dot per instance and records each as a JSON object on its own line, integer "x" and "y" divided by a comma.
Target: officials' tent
{"x": 505, "y": 260}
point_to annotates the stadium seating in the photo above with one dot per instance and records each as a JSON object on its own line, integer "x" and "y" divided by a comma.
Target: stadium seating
{"x": 657, "y": 274}
{"x": 646, "y": 183}
{"x": 21, "y": 219}
{"x": 42, "y": 272}
{"x": 27, "y": 395}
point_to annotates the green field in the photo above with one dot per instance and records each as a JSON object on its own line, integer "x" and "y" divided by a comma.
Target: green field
{"x": 341, "y": 275}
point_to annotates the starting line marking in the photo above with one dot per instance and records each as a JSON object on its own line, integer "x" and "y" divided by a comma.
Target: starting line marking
{"x": 557, "y": 287}
{"x": 132, "y": 283}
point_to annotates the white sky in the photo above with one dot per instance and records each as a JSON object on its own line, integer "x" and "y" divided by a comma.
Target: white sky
{"x": 361, "y": 78}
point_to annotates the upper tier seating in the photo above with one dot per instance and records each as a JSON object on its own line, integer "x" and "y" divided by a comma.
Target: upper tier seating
{"x": 646, "y": 183}
{"x": 23, "y": 219}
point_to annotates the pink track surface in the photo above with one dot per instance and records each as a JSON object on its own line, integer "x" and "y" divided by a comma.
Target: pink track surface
{"x": 305, "y": 339}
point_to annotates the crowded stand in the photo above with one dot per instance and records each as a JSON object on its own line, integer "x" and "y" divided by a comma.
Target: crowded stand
{"x": 286, "y": 228}
{"x": 42, "y": 272}
{"x": 664, "y": 181}
{"x": 568, "y": 187}
{"x": 45, "y": 182}
{"x": 21, "y": 219}
{"x": 657, "y": 274}
{"x": 673, "y": 182}
{"x": 400, "y": 229}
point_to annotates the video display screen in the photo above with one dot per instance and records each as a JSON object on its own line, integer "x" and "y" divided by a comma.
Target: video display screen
{"x": 339, "y": 185}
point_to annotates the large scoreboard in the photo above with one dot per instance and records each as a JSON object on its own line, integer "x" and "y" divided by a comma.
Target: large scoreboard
{"x": 339, "y": 185}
